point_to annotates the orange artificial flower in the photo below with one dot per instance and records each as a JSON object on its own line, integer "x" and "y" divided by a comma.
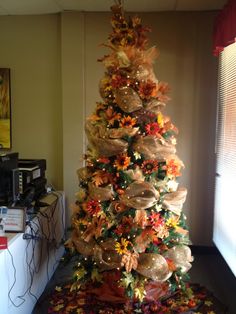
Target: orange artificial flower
{"x": 162, "y": 89}
{"x": 130, "y": 261}
{"x": 147, "y": 89}
{"x": 125, "y": 226}
{"x": 152, "y": 128}
{"x": 127, "y": 122}
{"x": 149, "y": 166}
{"x": 95, "y": 228}
{"x": 120, "y": 191}
{"x": 122, "y": 162}
{"x": 118, "y": 81}
{"x": 112, "y": 115}
{"x": 101, "y": 177}
{"x": 103, "y": 160}
{"x": 119, "y": 207}
{"x": 93, "y": 207}
{"x": 171, "y": 264}
{"x": 141, "y": 218}
{"x": 173, "y": 168}
{"x": 142, "y": 241}
{"x": 100, "y": 106}
{"x": 136, "y": 21}
{"x": 168, "y": 126}
{"x": 94, "y": 117}
{"x": 155, "y": 219}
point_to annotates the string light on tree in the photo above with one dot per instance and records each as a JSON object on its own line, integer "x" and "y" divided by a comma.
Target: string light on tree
{"x": 130, "y": 224}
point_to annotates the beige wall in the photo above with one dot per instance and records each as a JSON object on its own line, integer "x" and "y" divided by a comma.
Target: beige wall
{"x": 55, "y": 79}
{"x": 73, "y": 100}
{"x": 30, "y": 47}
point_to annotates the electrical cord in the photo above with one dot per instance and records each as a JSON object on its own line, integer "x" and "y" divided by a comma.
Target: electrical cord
{"x": 60, "y": 198}
{"x": 36, "y": 236}
{"x": 37, "y": 267}
{"x": 52, "y": 223}
{"x": 21, "y": 297}
{"x": 31, "y": 271}
{"x": 14, "y": 282}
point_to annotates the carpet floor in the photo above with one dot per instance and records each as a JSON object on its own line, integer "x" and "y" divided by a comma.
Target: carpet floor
{"x": 213, "y": 282}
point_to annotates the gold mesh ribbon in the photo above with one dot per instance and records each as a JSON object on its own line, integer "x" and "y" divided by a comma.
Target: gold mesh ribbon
{"x": 155, "y": 106}
{"x": 128, "y": 100}
{"x": 150, "y": 265}
{"x": 83, "y": 174}
{"x": 107, "y": 259}
{"x": 154, "y": 148}
{"x": 122, "y": 132}
{"x": 174, "y": 201}
{"x": 135, "y": 174}
{"x": 181, "y": 256}
{"x": 103, "y": 146}
{"x": 101, "y": 193}
{"x": 140, "y": 195}
{"x": 81, "y": 246}
{"x": 153, "y": 266}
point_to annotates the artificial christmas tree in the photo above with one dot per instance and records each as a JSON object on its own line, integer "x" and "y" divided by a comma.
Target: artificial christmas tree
{"x": 129, "y": 233}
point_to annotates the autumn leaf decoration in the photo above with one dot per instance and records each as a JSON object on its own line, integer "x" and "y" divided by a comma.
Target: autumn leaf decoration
{"x": 130, "y": 261}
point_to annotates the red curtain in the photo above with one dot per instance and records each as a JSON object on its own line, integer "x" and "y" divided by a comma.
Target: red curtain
{"x": 225, "y": 27}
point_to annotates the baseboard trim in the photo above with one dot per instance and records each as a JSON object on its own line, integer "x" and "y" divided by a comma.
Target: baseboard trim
{"x": 200, "y": 249}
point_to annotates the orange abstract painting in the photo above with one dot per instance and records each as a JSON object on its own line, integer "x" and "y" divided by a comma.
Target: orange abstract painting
{"x": 5, "y": 109}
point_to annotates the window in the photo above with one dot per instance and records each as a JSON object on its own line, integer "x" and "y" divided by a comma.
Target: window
{"x": 224, "y": 235}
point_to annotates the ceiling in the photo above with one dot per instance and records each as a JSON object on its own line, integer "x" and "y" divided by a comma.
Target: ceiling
{"x": 30, "y": 7}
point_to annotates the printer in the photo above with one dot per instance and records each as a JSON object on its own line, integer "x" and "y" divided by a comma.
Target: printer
{"x": 32, "y": 177}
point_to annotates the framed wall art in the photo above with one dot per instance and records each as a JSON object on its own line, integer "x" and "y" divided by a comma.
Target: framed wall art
{"x": 5, "y": 109}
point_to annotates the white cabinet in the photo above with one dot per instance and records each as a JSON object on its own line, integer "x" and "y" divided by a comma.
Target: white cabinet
{"x": 27, "y": 265}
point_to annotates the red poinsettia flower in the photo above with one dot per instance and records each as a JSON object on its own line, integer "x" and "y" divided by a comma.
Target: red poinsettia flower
{"x": 149, "y": 166}
{"x": 152, "y": 128}
{"x": 147, "y": 89}
{"x": 93, "y": 207}
{"x": 122, "y": 162}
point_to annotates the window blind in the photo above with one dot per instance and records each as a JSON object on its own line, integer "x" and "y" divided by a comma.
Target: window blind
{"x": 224, "y": 235}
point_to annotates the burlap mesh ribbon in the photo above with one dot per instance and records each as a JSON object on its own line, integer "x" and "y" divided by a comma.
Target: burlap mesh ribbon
{"x": 181, "y": 256}
{"x": 99, "y": 141}
{"x": 150, "y": 265}
{"x": 140, "y": 195}
{"x": 128, "y": 99}
{"x": 153, "y": 266}
{"x": 83, "y": 174}
{"x": 174, "y": 201}
{"x": 154, "y": 106}
{"x": 101, "y": 193}
{"x": 151, "y": 147}
{"x": 121, "y": 132}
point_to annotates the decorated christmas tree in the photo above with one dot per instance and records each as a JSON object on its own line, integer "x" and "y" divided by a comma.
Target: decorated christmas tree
{"x": 129, "y": 233}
